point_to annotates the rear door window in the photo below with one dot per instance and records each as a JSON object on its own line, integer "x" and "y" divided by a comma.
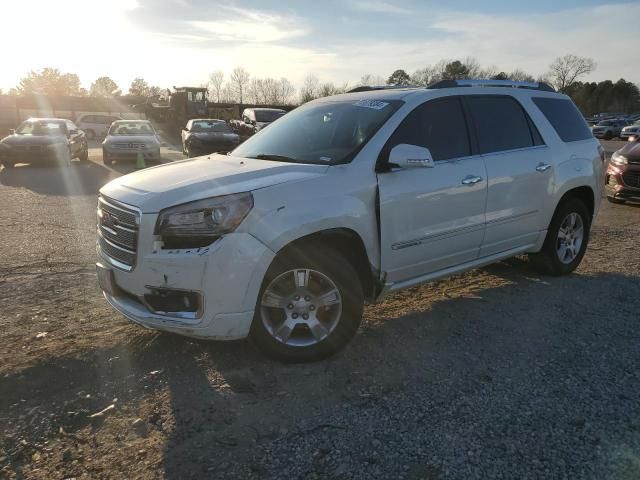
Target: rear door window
{"x": 564, "y": 117}
{"x": 501, "y": 123}
{"x": 438, "y": 125}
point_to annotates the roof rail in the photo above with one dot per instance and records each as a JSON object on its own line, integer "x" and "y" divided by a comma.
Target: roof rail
{"x": 492, "y": 83}
{"x": 368, "y": 88}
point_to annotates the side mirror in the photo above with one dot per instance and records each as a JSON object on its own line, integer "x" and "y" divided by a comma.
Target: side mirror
{"x": 12, "y": 131}
{"x": 410, "y": 156}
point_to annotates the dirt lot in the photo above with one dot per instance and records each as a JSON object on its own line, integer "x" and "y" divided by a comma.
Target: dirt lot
{"x": 498, "y": 373}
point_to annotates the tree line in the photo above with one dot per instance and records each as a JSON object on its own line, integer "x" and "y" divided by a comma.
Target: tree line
{"x": 565, "y": 74}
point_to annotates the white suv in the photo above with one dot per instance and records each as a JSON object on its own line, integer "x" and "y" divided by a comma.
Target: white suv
{"x": 346, "y": 199}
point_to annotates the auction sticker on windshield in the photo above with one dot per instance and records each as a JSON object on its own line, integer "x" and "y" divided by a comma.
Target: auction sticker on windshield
{"x": 375, "y": 104}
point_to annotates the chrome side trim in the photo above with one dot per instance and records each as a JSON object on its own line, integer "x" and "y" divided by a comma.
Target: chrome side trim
{"x": 437, "y": 236}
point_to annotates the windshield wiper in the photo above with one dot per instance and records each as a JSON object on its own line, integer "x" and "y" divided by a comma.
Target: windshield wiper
{"x": 275, "y": 158}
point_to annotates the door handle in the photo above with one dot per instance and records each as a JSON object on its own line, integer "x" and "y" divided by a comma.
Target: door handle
{"x": 471, "y": 180}
{"x": 543, "y": 167}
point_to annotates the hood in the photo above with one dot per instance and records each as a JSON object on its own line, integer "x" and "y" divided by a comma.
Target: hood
{"x": 631, "y": 150}
{"x": 183, "y": 181}
{"x": 33, "y": 139}
{"x": 131, "y": 139}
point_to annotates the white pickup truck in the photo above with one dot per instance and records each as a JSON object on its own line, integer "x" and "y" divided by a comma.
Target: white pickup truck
{"x": 346, "y": 199}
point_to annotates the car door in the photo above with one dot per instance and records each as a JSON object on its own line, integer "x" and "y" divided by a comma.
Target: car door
{"x": 519, "y": 168}
{"x": 432, "y": 218}
{"x": 185, "y": 133}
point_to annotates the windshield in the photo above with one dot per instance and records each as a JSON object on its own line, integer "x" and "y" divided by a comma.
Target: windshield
{"x": 204, "y": 126}
{"x": 42, "y": 128}
{"x": 268, "y": 115}
{"x": 320, "y": 133}
{"x": 131, "y": 128}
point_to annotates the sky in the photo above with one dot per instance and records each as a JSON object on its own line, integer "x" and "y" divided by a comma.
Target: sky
{"x": 180, "y": 42}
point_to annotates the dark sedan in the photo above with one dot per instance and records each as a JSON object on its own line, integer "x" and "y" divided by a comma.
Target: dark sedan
{"x": 623, "y": 174}
{"x": 44, "y": 140}
{"x": 204, "y": 136}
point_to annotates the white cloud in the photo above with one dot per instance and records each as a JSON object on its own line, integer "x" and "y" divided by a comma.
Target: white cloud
{"x": 378, "y": 7}
{"x": 252, "y": 26}
{"x": 510, "y": 41}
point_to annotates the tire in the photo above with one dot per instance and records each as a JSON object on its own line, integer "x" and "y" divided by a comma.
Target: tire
{"x": 105, "y": 158}
{"x": 549, "y": 257}
{"x": 90, "y": 134}
{"x": 608, "y": 135}
{"x": 617, "y": 201}
{"x": 84, "y": 155}
{"x": 334, "y": 323}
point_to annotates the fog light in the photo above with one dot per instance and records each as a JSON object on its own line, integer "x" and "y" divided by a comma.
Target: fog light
{"x": 181, "y": 303}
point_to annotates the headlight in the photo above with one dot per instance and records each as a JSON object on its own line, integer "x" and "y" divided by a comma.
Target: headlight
{"x": 619, "y": 159}
{"x": 207, "y": 218}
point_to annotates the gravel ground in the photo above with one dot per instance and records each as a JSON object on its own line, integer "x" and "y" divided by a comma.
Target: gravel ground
{"x": 497, "y": 373}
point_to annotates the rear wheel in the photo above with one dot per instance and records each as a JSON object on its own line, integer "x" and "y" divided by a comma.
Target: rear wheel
{"x": 309, "y": 307}
{"x": 608, "y": 135}
{"x": 567, "y": 238}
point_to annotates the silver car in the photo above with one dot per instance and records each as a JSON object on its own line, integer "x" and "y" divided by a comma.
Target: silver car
{"x": 631, "y": 130}
{"x": 126, "y": 139}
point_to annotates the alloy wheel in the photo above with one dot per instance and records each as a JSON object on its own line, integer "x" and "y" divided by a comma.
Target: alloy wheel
{"x": 301, "y": 307}
{"x": 570, "y": 238}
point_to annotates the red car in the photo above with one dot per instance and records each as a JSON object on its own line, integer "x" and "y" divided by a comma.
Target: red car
{"x": 623, "y": 173}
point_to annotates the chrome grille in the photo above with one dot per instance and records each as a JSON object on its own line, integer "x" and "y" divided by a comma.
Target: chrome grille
{"x": 129, "y": 146}
{"x": 118, "y": 227}
{"x": 631, "y": 179}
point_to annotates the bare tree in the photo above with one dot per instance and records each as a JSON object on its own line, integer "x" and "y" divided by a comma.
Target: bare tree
{"x": 309, "y": 89}
{"x": 239, "y": 81}
{"x": 370, "y": 80}
{"x": 567, "y": 69}
{"x": 216, "y": 80}
{"x": 286, "y": 91}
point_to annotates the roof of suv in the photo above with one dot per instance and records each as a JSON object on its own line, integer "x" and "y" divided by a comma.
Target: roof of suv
{"x": 400, "y": 93}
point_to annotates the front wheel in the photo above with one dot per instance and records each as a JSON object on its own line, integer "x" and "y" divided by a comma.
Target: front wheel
{"x": 608, "y": 136}
{"x": 567, "y": 238}
{"x": 309, "y": 307}
{"x": 105, "y": 158}
{"x": 84, "y": 155}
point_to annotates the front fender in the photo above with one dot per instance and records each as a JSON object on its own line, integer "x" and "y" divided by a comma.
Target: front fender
{"x": 287, "y": 212}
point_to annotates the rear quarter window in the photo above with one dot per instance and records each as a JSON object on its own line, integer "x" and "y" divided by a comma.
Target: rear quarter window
{"x": 564, "y": 117}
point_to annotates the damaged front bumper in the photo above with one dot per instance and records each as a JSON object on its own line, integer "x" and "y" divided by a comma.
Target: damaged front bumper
{"x": 218, "y": 285}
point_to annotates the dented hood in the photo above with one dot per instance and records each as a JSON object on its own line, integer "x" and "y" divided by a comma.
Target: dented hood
{"x": 155, "y": 188}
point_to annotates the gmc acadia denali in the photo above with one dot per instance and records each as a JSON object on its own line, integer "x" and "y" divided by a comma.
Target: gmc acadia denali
{"x": 346, "y": 199}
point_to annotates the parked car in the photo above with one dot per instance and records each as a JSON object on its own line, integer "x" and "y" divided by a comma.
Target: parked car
{"x": 44, "y": 140}
{"x": 623, "y": 173}
{"x": 343, "y": 200}
{"x": 127, "y": 138}
{"x": 633, "y": 129}
{"x": 254, "y": 120}
{"x": 95, "y": 125}
{"x": 203, "y": 136}
{"x": 608, "y": 129}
